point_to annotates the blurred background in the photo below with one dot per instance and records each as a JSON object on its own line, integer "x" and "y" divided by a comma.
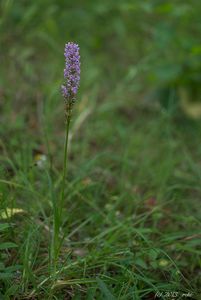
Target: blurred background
{"x": 140, "y": 70}
{"x": 147, "y": 47}
{"x": 140, "y": 85}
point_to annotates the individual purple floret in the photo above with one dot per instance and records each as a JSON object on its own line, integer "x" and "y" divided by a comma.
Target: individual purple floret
{"x": 71, "y": 72}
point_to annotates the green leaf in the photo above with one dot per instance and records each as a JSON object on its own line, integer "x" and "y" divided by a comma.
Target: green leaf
{"x": 8, "y": 245}
{"x": 140, "y": 262}
{"x": 13, "y": 268}
{"x": 153, "y": 254}
{"x": 104, "y": 289}
{"x": 6, "y": 275}
{"x": 4, "y": 226}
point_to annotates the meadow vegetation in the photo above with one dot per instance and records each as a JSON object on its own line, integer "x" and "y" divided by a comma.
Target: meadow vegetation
{"x": 131, "y": 213}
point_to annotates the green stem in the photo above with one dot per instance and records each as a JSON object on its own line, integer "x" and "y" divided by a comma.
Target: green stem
{"x": 65, "y": 161}
{"x": 59, "y": 208}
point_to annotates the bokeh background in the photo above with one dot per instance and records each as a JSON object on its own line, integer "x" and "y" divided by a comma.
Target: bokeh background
{"x": 135, "y": 153}
{"x": 134, "y": 46}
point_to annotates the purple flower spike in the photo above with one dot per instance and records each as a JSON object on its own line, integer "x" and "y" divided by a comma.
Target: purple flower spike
{"x": 71, "y": 72}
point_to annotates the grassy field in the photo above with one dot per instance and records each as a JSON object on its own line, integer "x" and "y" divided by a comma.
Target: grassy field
{"x": 130, "y": 224}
